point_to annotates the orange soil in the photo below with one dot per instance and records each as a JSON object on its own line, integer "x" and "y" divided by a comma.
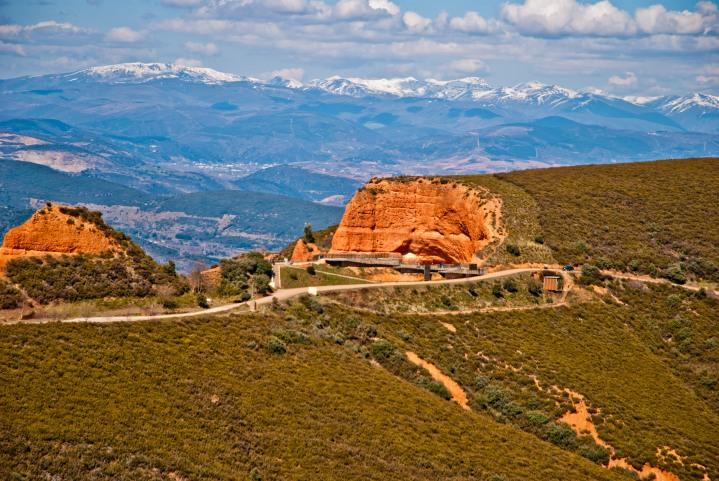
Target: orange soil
{"x": 455, "y": 390}
{"x": 50, "y": 232}
{"x": 581, "y": 421}
{"x": 433, "y": 221}
{"x": 448, "y": 326}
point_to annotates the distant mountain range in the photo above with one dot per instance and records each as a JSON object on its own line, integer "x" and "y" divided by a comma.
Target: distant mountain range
{"x": 165, "y": 131}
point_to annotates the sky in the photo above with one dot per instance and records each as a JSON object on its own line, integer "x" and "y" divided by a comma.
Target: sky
{"x": 622, "y": 47}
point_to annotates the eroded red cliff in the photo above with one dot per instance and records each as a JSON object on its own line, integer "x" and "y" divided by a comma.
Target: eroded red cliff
{"x": 50, "y": 231}
{"x": 437, "y": 221}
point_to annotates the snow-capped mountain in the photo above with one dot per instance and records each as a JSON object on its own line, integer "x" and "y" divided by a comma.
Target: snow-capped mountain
{"x": 145, "y": 72}
{"x": 699, "y": 102}
{"x": 402, "y": 87}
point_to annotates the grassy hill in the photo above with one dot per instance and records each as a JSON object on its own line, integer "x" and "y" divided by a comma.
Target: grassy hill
{"x": 323, "y": 391}
{"x": 653, "y": 217}
{"x": 217, "y": 399}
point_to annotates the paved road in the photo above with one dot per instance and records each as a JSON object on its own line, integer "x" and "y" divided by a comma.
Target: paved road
{"x": 284, "y": 294}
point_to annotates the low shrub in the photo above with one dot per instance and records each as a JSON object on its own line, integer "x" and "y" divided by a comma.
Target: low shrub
{"x": 513, "y": 249}
{"x": 276, "y": 346}
{"x": 434, "y": 387}
{"x": 10, "y": 296}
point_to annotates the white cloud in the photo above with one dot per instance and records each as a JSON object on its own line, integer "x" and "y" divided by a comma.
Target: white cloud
{"x": 386, "y": 5}
{"x": 709, "y": 75}
{"x": 188, "y": 62}
{"x": 629, "y": 80}
{"x": 656, "y": 19}
{"x": 468, "y": 65}
{"x": 289, "y": 73}
{"x": 124, "y": 35}
{"x": 202, "y": 48}
{"x": 46, "y": 26}
{"x": 415, "y": 22}
{"x": 471, "y": 22}
{"x": 362, "y": 9}
{"x": 11, "y": 48}
{"x": 568, "y": 17}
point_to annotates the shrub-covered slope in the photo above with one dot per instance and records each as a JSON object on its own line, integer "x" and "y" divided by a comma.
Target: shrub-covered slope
{"x": 123, "y": 270}
{"x": 654, "y": 217}
{"x": 209, "y": 400}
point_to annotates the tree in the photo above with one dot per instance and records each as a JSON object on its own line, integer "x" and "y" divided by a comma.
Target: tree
{"x": 195, "y": 277}
{"x": 309, "y": 235}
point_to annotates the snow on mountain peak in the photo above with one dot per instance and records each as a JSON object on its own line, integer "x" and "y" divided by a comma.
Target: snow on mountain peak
{"x": 142, "y": 72}
{"x": 705, "y": 102}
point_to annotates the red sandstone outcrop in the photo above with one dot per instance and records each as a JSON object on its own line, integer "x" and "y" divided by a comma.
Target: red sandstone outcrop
{"x": 49, "y": 231}
{"x": 435, "y": 221}
{"x": 304, "y": 252}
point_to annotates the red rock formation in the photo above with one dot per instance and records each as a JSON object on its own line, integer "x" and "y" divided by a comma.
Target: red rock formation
{"x": 304, "y": 252}
{"x": 438, "y": 222}
{"x": 49, "y": 231}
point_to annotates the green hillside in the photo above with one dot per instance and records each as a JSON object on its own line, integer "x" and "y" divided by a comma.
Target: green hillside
{"x": 217, "y": 399}
{"x": 651, "y": 217}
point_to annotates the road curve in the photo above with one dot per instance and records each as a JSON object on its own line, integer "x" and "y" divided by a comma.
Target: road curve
{"x": 281, "y": 295}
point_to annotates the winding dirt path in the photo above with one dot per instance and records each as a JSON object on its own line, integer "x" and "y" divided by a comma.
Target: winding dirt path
{"x": 455, "y": 390}
{"x": 280, "y": 295}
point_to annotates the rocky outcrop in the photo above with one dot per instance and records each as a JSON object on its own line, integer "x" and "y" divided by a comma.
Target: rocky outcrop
{"x": 304, "y": 252}
{"x": 435, "y": 220}
{"x": 50, "y": 231}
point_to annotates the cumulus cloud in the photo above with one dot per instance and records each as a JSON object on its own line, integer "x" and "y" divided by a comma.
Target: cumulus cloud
{"x": 567, "y": 17}
{"x": 657, "y": 19}
{"x": 202, "y": 48}
{"x": 415, "y": 22}
{"x": 289, "y": 73}
{"x": 570, "y": 17}
{"x": 124, "y": 35}
{"x": 471, "y": 22}
{"x": 386, "y": 5}
{"x": 468, "y": 65}
{"x": 629, "y": 80}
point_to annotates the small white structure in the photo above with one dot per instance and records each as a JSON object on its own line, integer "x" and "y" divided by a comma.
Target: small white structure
{"x": 410, "y": 258}
{"x": 312, "y": 291}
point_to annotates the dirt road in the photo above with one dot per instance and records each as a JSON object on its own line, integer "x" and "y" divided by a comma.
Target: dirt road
{"x": 284, "y": 294}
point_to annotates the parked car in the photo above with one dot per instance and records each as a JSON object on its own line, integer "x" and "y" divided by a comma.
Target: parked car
{"x": 568, "y": 268}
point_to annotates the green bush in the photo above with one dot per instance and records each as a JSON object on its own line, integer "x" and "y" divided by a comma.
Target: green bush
{"x": 434, "y": 387}
{"x": 202, "y": 300}
{"x": 237, "y": 275}
{"x": 276, "y": 346}
{"x": 382, "y": 350}
{"x": 590, "y": 275}
{"x": 534, "y": 288}
{"x": 513, "y": 249}
{"x": 510, "y": 286}
{"x": 311, "y": 270}
{"x": 537, "y": 418}
{"x": 675, "y": 274}
{"x": 562, "y": 435}
{"x": 10, "y": 296}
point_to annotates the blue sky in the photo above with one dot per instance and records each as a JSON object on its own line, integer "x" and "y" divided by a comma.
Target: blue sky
{"x": 625, "y": 47}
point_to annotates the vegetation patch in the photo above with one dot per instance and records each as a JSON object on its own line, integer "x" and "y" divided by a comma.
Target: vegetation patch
{"x": 649, "y": 217}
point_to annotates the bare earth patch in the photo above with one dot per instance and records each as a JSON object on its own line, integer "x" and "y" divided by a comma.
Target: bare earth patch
{"x": 455, "y": 390}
